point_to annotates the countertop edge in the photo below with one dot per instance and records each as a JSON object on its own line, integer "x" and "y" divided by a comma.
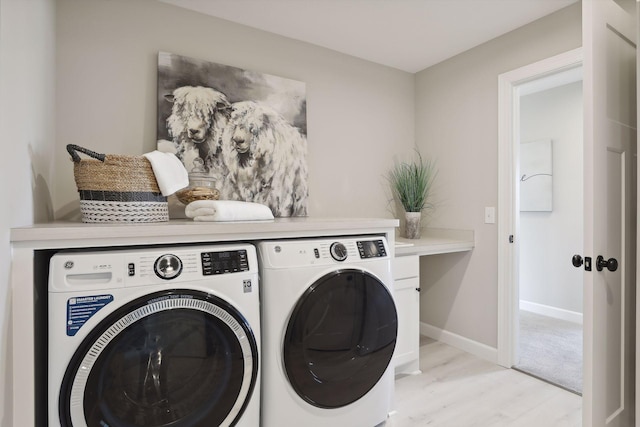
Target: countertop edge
{"x": 436, "y": 241}
{"x": 188, "y": 230}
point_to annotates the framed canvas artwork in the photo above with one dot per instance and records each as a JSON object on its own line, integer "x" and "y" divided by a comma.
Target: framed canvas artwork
{"x": 244, "y": 130}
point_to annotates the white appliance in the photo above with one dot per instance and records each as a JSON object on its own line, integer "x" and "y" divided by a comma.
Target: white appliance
{"x": 154, "y": 337}
{"x": 329, "y": 327}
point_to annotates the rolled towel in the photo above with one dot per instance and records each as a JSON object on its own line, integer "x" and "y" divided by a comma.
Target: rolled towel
{"x": 170, "y": 173}
{"x": 199, "y": 208}
{"x": 228, "y": 210}
{"x": 201, "y": 212}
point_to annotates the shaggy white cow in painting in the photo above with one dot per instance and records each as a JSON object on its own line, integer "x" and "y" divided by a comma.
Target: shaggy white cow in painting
{"x": 266, "y": 160}
{"x": 198, "y": 117}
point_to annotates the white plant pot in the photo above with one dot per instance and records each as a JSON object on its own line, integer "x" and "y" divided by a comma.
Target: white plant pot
{"x": 412, "y": 225}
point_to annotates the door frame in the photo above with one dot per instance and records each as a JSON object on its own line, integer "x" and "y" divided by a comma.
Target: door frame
{"x": 508, "y": 220}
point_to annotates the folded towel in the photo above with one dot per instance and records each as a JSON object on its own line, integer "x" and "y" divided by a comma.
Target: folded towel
{"x": 169, "y": 171}
{"x": 201, "y": 212}
{"x": 228, "y": 210}
{"x": 199, "y": 208}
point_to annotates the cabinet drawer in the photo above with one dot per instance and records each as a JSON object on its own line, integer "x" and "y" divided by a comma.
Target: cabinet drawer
{"x": 406, "y": 266}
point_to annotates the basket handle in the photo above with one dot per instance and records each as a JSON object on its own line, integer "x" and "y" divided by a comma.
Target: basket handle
{"x": 71, "y": 148}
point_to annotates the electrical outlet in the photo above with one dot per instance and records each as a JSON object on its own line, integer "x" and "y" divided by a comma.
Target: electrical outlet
{"x": 489, "y": 215}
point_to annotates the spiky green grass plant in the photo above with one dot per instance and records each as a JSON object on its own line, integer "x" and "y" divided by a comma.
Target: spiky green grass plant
{"x": 412, "y": 183}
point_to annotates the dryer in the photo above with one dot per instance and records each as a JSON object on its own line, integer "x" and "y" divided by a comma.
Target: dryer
{"x": 158, "y": 336}
{"x": 329, "y": 326}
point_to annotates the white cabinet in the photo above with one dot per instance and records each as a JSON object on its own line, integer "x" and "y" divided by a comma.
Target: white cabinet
{"x": 406, "y": 275}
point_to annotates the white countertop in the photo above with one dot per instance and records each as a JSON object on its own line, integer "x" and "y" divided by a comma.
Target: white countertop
{"x": 74, "y": 234}
{"x": 436, "y": 241}
{"x": 67, "y": 234}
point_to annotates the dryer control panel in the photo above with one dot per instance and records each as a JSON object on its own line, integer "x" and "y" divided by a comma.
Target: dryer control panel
{"x": 326, "y": 251}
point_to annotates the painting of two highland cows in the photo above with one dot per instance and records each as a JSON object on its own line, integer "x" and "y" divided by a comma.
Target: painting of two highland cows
{"x": 245, "y": 130}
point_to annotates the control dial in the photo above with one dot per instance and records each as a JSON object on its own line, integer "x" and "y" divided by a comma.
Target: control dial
{"x": 168, "y": 267}
{"x": 338, "y": 251}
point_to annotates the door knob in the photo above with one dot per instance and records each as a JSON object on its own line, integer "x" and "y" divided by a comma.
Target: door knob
{"x": 577, "y": 261}
{"x": 610, "y": 264}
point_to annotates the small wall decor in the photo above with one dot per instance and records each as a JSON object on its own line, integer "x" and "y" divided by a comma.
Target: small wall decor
{"x": 536, "y": 176}
{"x": 245, "y": 130}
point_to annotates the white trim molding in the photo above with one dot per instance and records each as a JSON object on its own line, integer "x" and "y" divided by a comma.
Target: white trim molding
{"x": 480, "y": 350}
{"x": 550, "y": 311}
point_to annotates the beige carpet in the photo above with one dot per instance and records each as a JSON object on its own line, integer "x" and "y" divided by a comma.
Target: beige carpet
{"x": 551, "y": 349}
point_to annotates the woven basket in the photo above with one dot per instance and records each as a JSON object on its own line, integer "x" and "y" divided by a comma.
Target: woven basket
{"x": 116, "y": 188}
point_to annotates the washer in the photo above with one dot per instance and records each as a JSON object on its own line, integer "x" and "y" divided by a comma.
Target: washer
{"x": 154, "y": 337}
{"x": 329, "y": 327}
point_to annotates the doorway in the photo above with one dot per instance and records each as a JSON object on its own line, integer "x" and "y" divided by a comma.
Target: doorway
{"x": 549, "y": 195}
{"x": 609, "y": 59}
{"x": 546, "y": 74}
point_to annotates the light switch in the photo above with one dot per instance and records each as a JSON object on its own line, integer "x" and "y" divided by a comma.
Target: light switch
{"x": 490, "y": 215}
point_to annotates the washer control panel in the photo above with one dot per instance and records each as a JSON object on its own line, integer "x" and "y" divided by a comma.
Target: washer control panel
{"x": 371, "y": 248}
{"x": 147, "y": 266}
{"x": 169, "y": 266}
{"x": 224, "y": 262}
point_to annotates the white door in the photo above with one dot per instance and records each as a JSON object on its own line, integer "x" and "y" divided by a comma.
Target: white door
{"x": 609, "y": 161}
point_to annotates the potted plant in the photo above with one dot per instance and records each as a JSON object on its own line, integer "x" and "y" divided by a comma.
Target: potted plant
{"x": 412, "y": 182}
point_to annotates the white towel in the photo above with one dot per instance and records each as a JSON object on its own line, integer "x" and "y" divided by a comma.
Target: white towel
{"x": 227, "y": 210}
{"x": 199, "y": 208}
{"x": 169, "y": 171}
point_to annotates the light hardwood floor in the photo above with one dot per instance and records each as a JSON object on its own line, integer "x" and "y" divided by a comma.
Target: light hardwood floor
{"x": 457, "y": 389}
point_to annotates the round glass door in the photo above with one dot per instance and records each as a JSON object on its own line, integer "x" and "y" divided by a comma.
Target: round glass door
{"x": 176, "y": 358}
{"x": 340, "y": 338}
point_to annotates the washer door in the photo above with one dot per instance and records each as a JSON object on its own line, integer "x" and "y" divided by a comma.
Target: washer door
{"x": 174, "y": 358}
{"x": 340, "y": 338}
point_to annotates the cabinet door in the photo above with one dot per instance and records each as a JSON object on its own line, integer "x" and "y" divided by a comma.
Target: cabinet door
{"x": 407, "y": 298}
{"x": 408, "y": 305}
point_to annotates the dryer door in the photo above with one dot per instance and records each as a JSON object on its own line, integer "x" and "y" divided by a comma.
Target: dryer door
{"x": 174, "y": 358}
{"x": 340, "y": 338}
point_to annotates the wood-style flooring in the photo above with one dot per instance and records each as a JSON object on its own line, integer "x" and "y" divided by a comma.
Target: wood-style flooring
{"x": 457, "y": 389}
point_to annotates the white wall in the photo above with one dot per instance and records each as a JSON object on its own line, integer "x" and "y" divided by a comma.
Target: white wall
{"x": 27, "y": 72}
{"x": 457, "y": 124}
{"x": 360, "y": 114}
{"x": 548, "y": 240}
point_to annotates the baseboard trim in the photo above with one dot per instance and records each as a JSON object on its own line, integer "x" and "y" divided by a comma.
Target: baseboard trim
{"x": 555, "y": 312}
{"x": 480, "y": 350}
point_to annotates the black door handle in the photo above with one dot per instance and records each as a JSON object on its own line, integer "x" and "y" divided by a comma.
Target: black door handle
{"x": 610, "y": 264}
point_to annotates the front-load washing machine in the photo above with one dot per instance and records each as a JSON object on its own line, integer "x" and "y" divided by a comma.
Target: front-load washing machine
{"x": 329, "y": 327}
{"x": 158, "y": 336}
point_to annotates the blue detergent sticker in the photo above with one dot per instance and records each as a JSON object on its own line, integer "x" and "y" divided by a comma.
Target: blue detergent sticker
{"x": 80, "y": 310}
